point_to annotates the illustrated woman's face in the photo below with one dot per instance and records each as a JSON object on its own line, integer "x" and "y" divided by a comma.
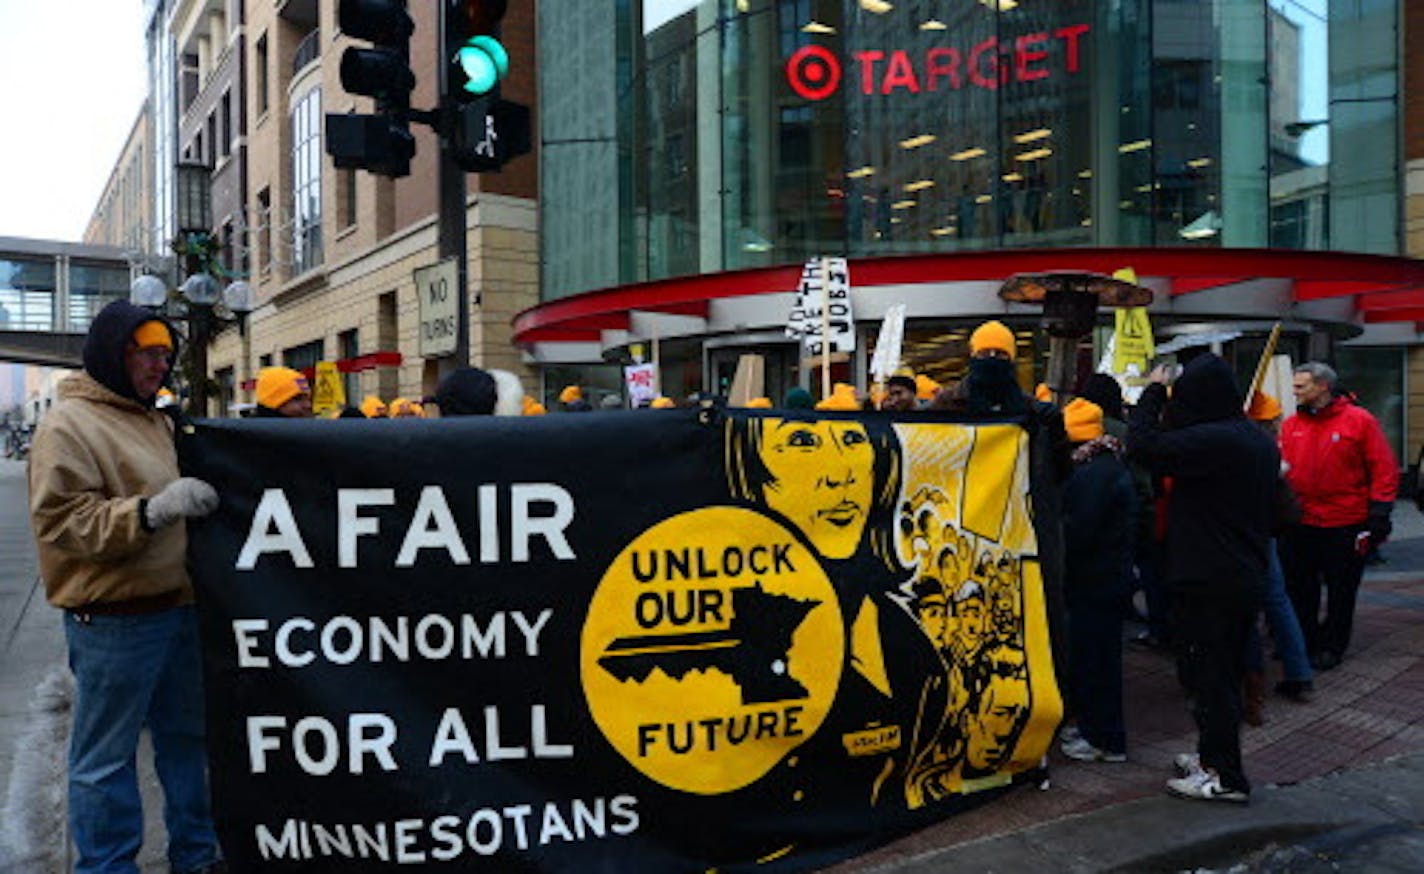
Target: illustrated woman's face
{"x": 822, "y": 476}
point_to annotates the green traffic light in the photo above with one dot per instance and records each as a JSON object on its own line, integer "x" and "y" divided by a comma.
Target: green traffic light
{"x": 484, "y": 61}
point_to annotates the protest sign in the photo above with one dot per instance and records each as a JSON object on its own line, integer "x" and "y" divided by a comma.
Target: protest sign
{"x": 613, "y": 643}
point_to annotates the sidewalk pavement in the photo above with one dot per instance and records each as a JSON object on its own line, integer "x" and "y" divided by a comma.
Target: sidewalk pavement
{"x": 1353, "y": 756}
{"x": 33, "y": 733}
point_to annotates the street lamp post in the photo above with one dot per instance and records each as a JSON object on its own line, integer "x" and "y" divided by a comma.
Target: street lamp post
{"x": 200, "y": 304}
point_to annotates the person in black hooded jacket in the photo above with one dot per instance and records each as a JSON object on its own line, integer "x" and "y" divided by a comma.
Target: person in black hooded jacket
{"x": 1219, "y": 522}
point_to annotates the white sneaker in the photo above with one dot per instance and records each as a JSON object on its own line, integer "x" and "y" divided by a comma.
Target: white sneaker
{"x": 1187, "y": 763}
{"x": 1068, "y": 734}
{"x": 1079, "y": 749}
{"x": 1205, "y": 785}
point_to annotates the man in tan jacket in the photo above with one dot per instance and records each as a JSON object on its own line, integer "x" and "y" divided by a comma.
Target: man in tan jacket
{"x": 107, "y": 507}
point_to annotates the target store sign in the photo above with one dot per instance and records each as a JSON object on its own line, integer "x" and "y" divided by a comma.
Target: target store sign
{"x": 815, "y": 72}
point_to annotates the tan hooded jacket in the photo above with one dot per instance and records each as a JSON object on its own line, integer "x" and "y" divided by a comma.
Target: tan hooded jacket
{"x": 94, "y": 457}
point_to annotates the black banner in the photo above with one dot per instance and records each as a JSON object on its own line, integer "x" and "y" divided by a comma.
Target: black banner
{"x": 651, "y": 641}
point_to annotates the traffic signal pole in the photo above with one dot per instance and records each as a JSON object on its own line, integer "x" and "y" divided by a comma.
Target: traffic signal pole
{"x": 478, "y": 131}
{"x": 452, "y": 213}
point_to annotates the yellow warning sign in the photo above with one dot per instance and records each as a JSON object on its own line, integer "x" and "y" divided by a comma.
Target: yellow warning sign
{"x": 328, "y": 393}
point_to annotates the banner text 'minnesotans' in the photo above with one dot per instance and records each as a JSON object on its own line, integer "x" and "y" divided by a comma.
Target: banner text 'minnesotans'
{"x": 274, "y": 528}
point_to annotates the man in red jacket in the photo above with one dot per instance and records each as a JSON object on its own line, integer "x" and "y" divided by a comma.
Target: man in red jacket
{"x": 1341, "y": 468}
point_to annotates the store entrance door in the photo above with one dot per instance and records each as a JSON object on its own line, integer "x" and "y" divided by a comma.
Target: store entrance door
{"x": 779, "y": 365}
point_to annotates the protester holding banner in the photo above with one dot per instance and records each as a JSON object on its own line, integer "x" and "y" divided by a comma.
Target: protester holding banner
{"x": 1219, "y": 521}
{"x": 108, "y": 510}
{"x": 991, "y": 389}
{"x": 1099, "y": 507}
{"x": 1346, "y": 477}
{"x": 900, "y": 394}
{"x": 283, "y": 393}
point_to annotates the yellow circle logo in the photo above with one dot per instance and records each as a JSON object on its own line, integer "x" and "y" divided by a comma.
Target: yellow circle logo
{"x": 713, "y": 647}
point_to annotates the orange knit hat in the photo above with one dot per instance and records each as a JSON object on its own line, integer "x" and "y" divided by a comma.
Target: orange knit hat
{"x": 842, "y": 398}
{"x": 373, "y": 407}
{"x": 993, "y": 335}
{"x": 277, "y": 385}
{"x": 925, "y": 388}
{"x": 1083, "y": 420}
{"x": 152, "y": 333}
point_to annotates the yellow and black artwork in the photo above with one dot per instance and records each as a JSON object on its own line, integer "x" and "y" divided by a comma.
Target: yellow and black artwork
{"x": 872, "y": 594}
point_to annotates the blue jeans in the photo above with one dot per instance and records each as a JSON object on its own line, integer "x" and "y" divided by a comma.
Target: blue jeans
{"x": 130, "y": 671}
{"x": 1281, "y": 619}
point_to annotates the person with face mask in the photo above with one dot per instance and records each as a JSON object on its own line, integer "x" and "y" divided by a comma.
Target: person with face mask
{"x": 991, "y": 390}
{"x": 108, "y": 511}
{"x": 992, "y": 384}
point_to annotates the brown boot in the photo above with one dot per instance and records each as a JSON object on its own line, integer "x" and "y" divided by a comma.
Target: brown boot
{"x": 1253, "y": 698}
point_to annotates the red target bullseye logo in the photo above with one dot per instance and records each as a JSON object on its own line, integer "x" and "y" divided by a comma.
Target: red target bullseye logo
{"x": 813, "y": 72}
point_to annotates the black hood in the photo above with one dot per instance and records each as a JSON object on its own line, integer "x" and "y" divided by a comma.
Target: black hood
{"x": 1205, "y": 392}
{"x": 468, "y": 391}
{"x": 1103, "y": 390}
{"x": 109, "y": 333}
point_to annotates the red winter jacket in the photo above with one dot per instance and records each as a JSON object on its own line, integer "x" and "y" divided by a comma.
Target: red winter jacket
{"x": 1340, "y": 462}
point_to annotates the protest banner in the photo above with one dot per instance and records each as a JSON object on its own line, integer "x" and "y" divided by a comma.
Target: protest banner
{"x": 613, "y": 643}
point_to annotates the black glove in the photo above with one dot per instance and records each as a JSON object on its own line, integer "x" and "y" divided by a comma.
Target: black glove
{"x": 1377, "y": 523}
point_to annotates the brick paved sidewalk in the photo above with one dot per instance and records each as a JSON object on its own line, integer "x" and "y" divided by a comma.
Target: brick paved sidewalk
{"x": 1368, "y": 709}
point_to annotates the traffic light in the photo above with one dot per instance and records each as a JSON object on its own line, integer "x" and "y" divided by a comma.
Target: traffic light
{"x": 381, "y": 143}
{"x": 488, "y": 129}
{"x": 477, "y": 59}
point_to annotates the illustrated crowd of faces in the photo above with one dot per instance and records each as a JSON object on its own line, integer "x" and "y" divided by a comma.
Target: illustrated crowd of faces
{"x": 962, "y": 578}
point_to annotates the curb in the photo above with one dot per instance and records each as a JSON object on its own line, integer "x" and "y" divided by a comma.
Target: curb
{"x": 1170, "y": 835}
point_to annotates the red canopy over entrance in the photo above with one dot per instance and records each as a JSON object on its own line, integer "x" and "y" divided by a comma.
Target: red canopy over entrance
{"x": 1385, "y": 288}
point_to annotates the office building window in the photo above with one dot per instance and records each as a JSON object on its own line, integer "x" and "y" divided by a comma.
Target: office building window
{"x": 306, "y": 182}
{"x": 264, "y": 229}
{"x": 225, "y": 126}
{"x": 305, "y": 356}
{"x": 261, "y": 65}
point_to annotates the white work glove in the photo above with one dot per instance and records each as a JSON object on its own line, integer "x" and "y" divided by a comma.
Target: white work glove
{"x": 187, "y": 497}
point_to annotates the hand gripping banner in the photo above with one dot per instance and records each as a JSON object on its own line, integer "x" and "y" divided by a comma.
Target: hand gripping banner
{"x": 622, "y": 641}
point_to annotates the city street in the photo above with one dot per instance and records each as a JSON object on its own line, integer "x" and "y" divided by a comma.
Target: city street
{"x": 1340, "y": 781}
